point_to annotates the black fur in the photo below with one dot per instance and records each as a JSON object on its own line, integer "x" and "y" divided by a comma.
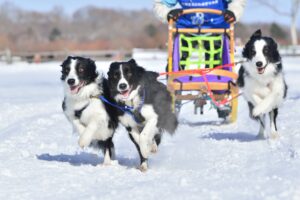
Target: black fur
{"x": 132, "y": 74}
{"x": 142, "y": 159}
{"x": 106, "y": 145}
{"x": 112, "y": 111}
{"x": 275, "y": 117}
{"x": 152, "y": 91}
{"x": 271, "y": 54}
{"x": 240, "y": 80}
{"x": 85, "y": 69}
{"x": 78, "y": 113}
{"x": 63, "y": 106}
{"x": 156, "y": 93}
{"x": 270, "y": 51}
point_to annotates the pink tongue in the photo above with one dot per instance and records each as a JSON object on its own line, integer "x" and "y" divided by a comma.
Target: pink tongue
{"x": 74, "y": 90}
{"x": 126, "y": 93}
{"x": 260, "y": 70}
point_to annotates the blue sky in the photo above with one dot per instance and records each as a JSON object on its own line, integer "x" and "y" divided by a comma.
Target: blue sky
{"x": 253, "y": 12}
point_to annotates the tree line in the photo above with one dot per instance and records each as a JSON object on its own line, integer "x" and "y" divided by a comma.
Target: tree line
{"x": 92, "y": 28}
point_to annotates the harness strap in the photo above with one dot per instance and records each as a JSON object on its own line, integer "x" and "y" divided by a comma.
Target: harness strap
{"x": 134, "y": 113}
{"x": 77, "y": 113}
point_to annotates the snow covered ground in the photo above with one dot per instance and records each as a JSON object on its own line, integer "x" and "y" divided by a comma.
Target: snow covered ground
{"x": 40, "y": 158}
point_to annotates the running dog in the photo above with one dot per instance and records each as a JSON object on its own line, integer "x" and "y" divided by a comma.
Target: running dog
{"x": 146, "y": 105}
{"x": 262, "y": 81}
{"x": 91, "y": 118}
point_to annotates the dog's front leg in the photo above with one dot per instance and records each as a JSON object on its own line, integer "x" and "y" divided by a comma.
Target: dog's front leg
{"x": 146, "y": 139}
{"x": 262, "y": 125}
{"x": 273, "y": 115}
{"x": 87, "y": 136}
{"x": 266, "y": 105}
{"x": 134, "y": 135}
{"x": 79, "y": 127}
{"x": 273, "y": 100}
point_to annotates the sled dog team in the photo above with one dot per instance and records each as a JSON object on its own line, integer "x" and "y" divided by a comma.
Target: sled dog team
{"x": 133, "y": 97}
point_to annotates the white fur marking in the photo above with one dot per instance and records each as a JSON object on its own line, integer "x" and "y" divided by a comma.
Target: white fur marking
{"x": 149, "y": 131}
{"x": 122, "y": 80}
{"x": 72, "y": 74}
{"x": 265, "y": 91}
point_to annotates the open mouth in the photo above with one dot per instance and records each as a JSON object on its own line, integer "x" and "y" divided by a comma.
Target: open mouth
{"x": 261, "y": 70}
{"x": 125, "y": 93}
{"x": 75, "y": 89}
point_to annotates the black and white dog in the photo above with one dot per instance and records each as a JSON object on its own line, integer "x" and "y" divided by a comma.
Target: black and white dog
{"x": 262, "y": 81}
{"x": 150, "y": 103}
{"x": 91, "y": 118}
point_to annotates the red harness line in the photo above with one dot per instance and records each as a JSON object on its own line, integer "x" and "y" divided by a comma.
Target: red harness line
{"x": 203, "y": 73}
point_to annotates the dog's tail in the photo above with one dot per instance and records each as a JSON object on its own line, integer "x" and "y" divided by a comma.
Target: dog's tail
{"x": 168, "y": 122}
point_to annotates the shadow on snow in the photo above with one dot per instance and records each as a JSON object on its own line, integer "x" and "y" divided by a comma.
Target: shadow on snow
{"x": 203, "y": 123}
{"x": 85, "y": 159}
{"x": 241, "y": 136}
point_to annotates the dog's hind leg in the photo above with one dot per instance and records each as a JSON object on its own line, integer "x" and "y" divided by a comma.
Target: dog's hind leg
{"x": 144, "y": 161}
{"x": 262, "y": 124}
{"x": 156, "y": 142}
{"x": 273, "y": 116}
{"x": 108, "y": 150}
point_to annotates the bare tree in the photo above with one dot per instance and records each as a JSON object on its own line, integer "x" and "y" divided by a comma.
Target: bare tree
{"x": 292, "y": 14}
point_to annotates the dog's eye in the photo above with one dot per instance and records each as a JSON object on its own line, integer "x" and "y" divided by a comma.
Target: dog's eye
{"x": 116, "y": 75}
{"x": 129, "y": 74}
{"x": 265, "y": 50}
{"x": 67, "y": 70}
{"x": 252, "y": 52}
{"x": 80, "y": 70}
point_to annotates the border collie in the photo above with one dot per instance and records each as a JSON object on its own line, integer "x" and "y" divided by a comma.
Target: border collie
{"x": 262, "y": 81}
{"x": 150, "y": 102}
{"x": 91, "y": 118}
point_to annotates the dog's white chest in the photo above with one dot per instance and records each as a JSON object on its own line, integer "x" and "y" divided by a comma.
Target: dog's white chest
{"x": 256, "y": 91}
{"x": 92, "y": 116}
{"x": 262, "y": 89}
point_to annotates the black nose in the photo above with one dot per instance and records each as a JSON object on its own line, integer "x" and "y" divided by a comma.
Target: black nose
{"x": 123, "y": 86}
{"x": 259, "y": 64}
{"x": 71, "y": 81}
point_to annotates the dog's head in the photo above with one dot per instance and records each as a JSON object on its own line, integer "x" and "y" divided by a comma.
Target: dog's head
{"x": 262, "y": 53}
{"x": 123, "y": 78}
{"x": 78, "y": 72}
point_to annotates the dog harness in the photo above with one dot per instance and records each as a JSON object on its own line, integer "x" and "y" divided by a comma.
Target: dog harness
{"x": 134, "y": 113}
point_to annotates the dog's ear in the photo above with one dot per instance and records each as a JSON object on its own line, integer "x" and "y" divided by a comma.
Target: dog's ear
{"x": 274, "y": 53}
{"x": 66, "y": 61}
{"x": 246, "y": 50}
{"x": 132, "y": 62}
{"x": 92, "y": 65}
{"x": 111, "y": 67}
{"x": 256, "y": 34}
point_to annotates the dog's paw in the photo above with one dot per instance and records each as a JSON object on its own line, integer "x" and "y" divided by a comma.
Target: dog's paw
{"x": 84, "y": 142}
{"x": 257, "y": 111}
{"x": 274, "y": 135}
{"x": 143, "y": 167}
{"x": 154, "y": 147}
{"x": 260, "y": 136}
